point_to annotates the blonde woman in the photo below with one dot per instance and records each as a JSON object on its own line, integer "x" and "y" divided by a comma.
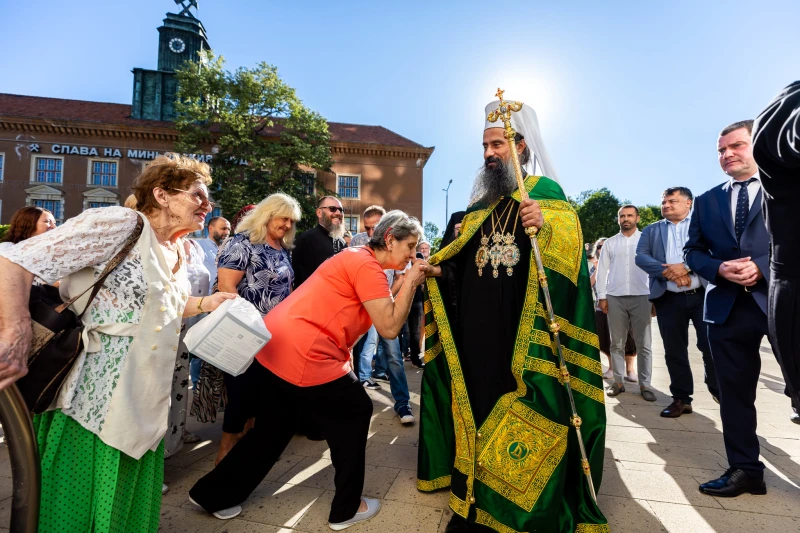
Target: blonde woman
{"x": 255, "y": 263}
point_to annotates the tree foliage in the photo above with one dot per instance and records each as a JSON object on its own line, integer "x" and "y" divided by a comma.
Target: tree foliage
{"x": 433, "y": 236}
{"x": 597, "y": 210}
{"x": 263, "y": 135}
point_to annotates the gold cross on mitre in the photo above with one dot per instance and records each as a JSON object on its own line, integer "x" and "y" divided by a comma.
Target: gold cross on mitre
{"x": 503, "y": 112}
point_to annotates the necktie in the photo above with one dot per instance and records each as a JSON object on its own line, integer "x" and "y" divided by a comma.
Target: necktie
{"x": 742, "y": 207}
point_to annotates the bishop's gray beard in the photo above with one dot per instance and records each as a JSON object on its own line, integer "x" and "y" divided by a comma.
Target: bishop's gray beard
{"x": 492, "y": 184}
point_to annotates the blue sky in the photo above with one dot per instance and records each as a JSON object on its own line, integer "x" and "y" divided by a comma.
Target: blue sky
{"x": 630, "y": 94}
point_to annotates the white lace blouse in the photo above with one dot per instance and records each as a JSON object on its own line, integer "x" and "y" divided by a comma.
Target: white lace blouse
{"x": 90, "y": 240}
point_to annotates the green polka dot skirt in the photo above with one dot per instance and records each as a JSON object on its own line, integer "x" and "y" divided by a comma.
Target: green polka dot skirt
{"x": 88, "y": 486}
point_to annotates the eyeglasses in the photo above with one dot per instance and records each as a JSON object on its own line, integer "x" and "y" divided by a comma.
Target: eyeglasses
{"x": 369, "y": 228}
{"x": 199, "y": 196}
{"x": 333, "y": 208}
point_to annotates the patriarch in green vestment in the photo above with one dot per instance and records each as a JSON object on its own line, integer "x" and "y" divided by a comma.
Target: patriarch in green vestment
{"x": 495, "y": 424}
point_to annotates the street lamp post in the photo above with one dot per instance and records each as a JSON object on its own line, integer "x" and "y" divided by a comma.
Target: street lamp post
{"x": 446, "y": 199}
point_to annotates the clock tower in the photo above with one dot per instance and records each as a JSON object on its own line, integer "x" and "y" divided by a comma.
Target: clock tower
{"x": 180, "y": 39}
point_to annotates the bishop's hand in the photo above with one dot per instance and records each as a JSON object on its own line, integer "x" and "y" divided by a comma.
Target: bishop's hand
{"x": 531, "y": 214}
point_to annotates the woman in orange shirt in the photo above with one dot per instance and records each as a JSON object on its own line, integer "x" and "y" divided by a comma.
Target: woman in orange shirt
{"x": 306, "y": 374}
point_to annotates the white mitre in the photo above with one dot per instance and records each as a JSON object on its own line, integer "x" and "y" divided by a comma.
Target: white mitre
{"x": 526, "y": 124}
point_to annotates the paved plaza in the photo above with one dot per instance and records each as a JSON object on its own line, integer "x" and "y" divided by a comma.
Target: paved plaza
{"x": 652, "y": 468}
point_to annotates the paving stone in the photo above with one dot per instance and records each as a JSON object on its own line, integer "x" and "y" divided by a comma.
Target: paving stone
{"x": 404, "y": 489}
{"x": 628, "y": 514}
{"x": 655, "y": 486}
{"x": 183, "y": 520}
{"x": 656, "y": 454}
{"x": 242, "y": 526}
{"x": 278, "y": 504}
{"x": 782, "y": 499}
{"x": 392, "y": 455}
{"x": 687, "y": 519}
{"x": 319, "y": 473}
{"x": 394, "y": 516}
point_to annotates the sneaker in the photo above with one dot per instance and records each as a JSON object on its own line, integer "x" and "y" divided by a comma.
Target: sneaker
{"x": 373, "y": 506}
{"x": 223, "y": 514}
{"x": 164, "y": 488}
{"x": 381, "y": 377}
{"x": 371, "y": 385}
{"x": 405, "y": 415}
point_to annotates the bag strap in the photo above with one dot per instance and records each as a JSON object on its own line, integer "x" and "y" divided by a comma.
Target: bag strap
{"x": 110, "y": 266}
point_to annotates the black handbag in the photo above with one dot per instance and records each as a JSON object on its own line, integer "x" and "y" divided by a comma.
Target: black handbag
{"x": 57, "y": 330}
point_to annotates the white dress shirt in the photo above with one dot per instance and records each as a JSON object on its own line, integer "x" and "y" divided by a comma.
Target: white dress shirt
{"x": 752, "y": 190}
{"x": 617, "y": 273}
{"x": 677, "y": 235}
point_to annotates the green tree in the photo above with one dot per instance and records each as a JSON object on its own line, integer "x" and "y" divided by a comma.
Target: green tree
{"x": 597, "y": 211}
{"x": 433, "y": 236}
{"x": 649, "y": 214}
{"x": 263, "y": 135}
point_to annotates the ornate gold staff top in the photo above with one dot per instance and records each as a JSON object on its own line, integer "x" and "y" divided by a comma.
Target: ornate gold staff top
{"x": 503, "y": 112}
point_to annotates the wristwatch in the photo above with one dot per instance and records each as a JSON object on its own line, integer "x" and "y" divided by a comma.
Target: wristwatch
{"x": 688, "y": 270}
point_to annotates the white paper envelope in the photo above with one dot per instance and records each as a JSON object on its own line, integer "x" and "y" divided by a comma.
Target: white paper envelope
{"x": 229, "y": 337}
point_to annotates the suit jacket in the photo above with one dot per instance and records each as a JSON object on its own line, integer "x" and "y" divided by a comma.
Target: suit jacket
{"x": 651, "y": 254}
{"x": 712, "y": 241}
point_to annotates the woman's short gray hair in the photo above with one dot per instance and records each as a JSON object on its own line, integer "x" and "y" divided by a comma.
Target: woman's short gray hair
{"x": 395, "y": 223}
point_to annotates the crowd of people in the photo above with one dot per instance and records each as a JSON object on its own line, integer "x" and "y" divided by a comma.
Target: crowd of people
{"x": 346, "y": 311}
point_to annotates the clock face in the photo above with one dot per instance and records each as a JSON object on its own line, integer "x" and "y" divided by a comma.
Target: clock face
{"x": 177, "y": 45}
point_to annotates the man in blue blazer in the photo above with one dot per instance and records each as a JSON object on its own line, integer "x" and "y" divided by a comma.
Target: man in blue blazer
{"x": 677, "y": 294}
{"x": 729, "y": 246}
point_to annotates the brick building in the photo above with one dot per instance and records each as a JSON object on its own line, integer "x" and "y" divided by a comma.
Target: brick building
{"x": 72, "y": 155}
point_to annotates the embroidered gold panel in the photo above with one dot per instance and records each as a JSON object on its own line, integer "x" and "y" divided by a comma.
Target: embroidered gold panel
{"x": 521, "y": 455}
{"x": 561, "y": 254}
{"x": 459, "y": 506}
{"x": 544, "y": 339}
{"x": 534, "y": 364}
{"x": 592, "y": 528}
{"x": 435, "y": 484}
{"x": 488, "y": 520}
{"x": 574, "y": 332}
{"x": 432, "y": 352}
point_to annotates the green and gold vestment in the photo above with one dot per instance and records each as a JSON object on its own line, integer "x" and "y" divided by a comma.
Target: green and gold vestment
{"x": 519, "y": 470}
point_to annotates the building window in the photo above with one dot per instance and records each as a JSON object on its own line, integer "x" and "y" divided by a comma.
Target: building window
{"x": 48, "y": 170}
{"x": 308, "y": 180}
{"x": 2, "y": 165}
{"x": 347, "y": 186}
{"x": 103, "y": 173}
{"x": 94, "y": 205}
{"x": 54, "y": 206}
{"x": 351, "y": 223}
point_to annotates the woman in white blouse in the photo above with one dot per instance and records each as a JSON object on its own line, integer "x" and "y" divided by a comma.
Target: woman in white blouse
{"x": 101, "y": 444}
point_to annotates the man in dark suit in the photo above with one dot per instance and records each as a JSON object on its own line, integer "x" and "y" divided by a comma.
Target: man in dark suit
{"x": 777, "y": 151}
{"x": 677, "y": 294}
{"x": 729, "y": 246}
{"x": 313, "y": 247}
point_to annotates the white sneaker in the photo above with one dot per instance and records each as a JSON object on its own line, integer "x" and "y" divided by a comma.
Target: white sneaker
{"x": 223, "y": 514}
{"x": 405, "y": 415}
{"x": 609, "y": 374}
{"x": 373, "y": 506}
{"x": 164, "y": 488}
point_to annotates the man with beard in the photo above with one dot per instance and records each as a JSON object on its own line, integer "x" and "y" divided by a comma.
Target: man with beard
{"x": 219, "y": 229}
{"x": 314, "y": 246}
{"x": 495, "y": 419}
{"x": 622, "y": 293}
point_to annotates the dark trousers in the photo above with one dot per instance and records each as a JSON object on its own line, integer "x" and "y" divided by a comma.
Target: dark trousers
{"x": 415, "y": 318}
{"x": 735, "y": 348}
{"x": 340, "y": 408}
{"x": 243, "y": 400}
{"x": 784, "y": 320}
{"x": 674, "y": 310}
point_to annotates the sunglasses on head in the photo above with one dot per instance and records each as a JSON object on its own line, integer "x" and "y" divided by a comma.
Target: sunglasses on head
{"x": 333, "y": 208}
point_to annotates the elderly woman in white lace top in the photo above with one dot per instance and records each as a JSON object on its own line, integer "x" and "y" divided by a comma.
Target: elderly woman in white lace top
{"x": 101, "y": 444}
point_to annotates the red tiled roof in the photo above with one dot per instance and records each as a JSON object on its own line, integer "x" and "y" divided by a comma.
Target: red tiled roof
{"x": 13, "y": 105}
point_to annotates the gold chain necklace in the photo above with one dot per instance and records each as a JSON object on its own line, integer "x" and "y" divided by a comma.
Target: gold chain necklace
{"x": 504, "y": 250}
{"x": 482, "y": 256}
